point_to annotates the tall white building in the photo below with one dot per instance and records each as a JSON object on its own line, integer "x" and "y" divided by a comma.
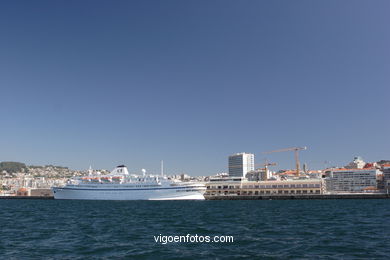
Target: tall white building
{"x": 240, "y": 164}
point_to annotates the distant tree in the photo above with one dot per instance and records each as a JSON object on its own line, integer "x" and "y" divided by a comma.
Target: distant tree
{"x": 13, "y": 167}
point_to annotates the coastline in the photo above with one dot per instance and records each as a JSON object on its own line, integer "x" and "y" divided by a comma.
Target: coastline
{"x": 245, "y": 197}
{"x": 28, "y": 197}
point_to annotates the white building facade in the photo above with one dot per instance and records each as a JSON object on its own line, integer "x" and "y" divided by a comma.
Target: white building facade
{"x": 351, "y": 180}
{"x": 386, "y": 176}
{"x": 357, "y": 163}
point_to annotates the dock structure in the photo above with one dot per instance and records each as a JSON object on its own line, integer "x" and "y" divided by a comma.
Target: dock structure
{"x": 300, "y": 197}
{"x": 240, "y": 189}
{"x": 27, "y": 197}
{"x": 229, "y": 187}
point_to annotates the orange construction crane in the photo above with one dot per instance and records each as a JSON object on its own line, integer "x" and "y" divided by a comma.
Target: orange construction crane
{"x": 266, "y": 163}
{"x": 256, "y": 165}
{"x": 296, "y": 153}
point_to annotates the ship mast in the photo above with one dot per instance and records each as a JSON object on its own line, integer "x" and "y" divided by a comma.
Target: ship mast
{"x": 162, "y": 168}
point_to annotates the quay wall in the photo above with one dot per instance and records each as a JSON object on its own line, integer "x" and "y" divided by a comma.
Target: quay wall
{"x": 28, "y": 197}
{"x": 298, "y": 197}
{"x": 256, "y": 197}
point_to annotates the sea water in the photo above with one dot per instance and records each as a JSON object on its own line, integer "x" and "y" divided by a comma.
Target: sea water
{"x": 273, "y": 229}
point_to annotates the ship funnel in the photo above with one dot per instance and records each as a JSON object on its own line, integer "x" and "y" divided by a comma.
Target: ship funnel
{"x": 120, "y": 170}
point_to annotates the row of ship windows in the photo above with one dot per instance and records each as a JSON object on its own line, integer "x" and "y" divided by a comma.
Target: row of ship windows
{"x": 354, "y": 181}
{"x": 122, "y": 186}
{"x": 266, "y": 186}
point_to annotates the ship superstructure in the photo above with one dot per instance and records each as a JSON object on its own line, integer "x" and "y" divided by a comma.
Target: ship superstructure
{"x": 120, "y": 185}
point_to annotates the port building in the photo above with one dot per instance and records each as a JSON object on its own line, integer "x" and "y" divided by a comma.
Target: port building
{"x": 258, "y": 175}
{"x": 351, "y": 180}
{"x": 263, "y": 188}
{"x": 386, "y": 176}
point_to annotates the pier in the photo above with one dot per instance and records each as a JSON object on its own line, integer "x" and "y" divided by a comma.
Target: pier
{"x": 299, "y": 197}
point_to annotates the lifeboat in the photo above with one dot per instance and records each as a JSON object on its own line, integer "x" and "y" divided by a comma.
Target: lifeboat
{"x": 116, "y": 178}
{"x": 96, "y": 179}
{"x": 105, "y": 179}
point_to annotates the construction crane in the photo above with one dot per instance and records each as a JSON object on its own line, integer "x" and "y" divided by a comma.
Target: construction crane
{"x": 256, "y": 165}
{"x": 266, "y": 163}
{"x": 296, "y": 155}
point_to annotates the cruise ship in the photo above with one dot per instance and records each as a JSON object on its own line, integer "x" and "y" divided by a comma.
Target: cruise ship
{"x": 120, "y": 185}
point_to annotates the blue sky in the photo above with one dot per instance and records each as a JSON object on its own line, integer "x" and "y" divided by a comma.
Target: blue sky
{"x": 190, "y": 82}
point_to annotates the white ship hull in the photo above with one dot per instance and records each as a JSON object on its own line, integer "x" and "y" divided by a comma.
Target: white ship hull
{"x": 162, "y": 193}
{"x": 119, "y": 185}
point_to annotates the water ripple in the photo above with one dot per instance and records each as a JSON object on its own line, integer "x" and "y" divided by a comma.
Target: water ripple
{"x": 307, "y": 229}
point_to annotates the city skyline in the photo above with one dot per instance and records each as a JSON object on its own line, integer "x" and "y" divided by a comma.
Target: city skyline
{"x": 92, "y": 83}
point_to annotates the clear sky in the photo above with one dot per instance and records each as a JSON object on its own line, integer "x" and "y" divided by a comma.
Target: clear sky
{"x": 190, "y": 82}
